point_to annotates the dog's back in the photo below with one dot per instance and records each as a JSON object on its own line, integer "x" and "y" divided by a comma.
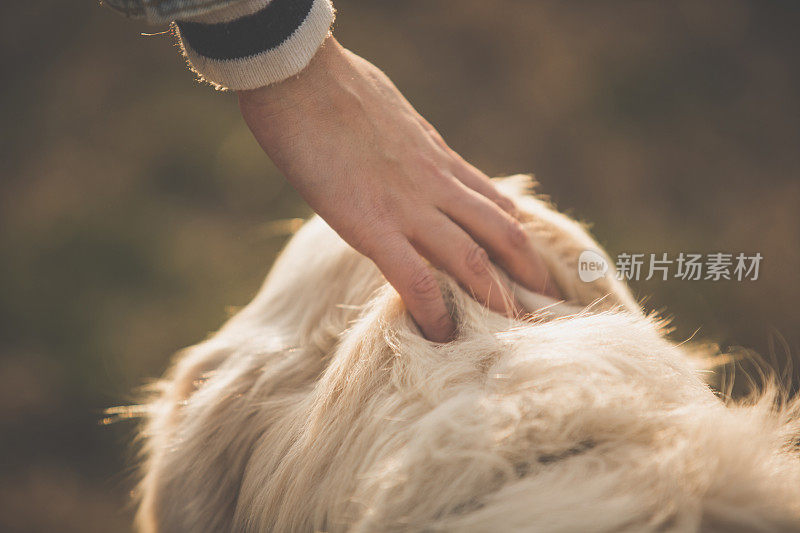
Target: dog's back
{"x": 320, "y": 408}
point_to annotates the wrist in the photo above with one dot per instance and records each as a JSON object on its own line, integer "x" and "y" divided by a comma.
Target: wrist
{"x": 311, "y": 87}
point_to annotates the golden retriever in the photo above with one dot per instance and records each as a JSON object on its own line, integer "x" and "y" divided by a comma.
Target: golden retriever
{"x": 319, "y": 407}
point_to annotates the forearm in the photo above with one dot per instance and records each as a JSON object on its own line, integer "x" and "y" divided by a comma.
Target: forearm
{"x": 321, "y": 86}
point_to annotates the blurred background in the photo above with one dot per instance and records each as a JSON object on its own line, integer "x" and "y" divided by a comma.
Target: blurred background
{"x": 136, "y": 210}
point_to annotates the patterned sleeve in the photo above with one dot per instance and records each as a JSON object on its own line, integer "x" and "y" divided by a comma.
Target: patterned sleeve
{"x": 255, "y": 42}
{"x": 240, "y": 44}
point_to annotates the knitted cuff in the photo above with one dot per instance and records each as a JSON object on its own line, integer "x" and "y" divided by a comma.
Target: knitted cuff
{"x": 256, "y": 42}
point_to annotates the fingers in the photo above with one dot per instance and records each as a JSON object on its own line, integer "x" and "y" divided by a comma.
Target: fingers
{"x": 414, "y": 280}
{"x": 491, "y": 218}
{"x": 469, "y": 175}
{"x": 449, "y": 247}
{"x": 480, "y": 183}
{"x": 502, "y": 235}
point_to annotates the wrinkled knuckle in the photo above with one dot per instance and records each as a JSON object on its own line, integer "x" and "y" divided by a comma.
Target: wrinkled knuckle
{"x": 477, "y": 260}
{"x": 423, "y": 286}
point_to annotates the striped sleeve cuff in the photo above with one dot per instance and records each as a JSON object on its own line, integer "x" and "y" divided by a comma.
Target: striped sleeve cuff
{"x": 255, "y": 42}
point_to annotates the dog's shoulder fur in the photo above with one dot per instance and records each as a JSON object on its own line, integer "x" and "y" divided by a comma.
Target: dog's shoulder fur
{"x": 319, "y": 407}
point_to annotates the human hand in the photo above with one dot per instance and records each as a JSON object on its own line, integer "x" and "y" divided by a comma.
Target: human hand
{"x": 382, "y": 177}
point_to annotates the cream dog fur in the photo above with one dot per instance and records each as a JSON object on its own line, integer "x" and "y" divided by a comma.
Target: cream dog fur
{"x": 319, "y": 407}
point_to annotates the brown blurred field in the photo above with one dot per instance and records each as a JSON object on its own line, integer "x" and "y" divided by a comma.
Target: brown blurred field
{"x": 135, "y": 208}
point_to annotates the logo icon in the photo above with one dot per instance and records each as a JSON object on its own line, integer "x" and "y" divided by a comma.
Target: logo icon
{"x": 591, "y": 266}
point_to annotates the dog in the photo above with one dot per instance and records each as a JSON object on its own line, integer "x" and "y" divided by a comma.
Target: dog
{"x": 320, "y": 407}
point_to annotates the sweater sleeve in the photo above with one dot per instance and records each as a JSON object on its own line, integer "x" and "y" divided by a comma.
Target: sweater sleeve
{"x": 255, "y": 42}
